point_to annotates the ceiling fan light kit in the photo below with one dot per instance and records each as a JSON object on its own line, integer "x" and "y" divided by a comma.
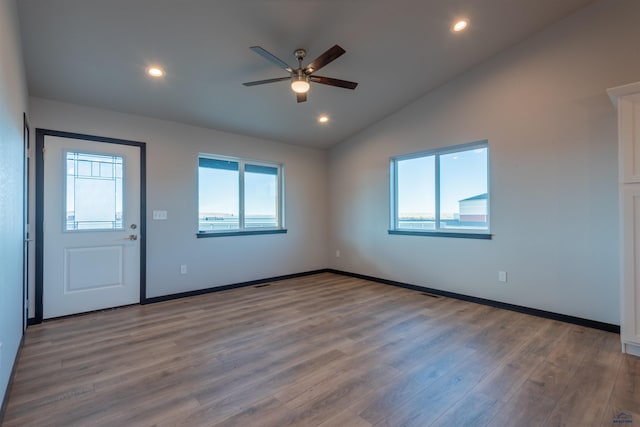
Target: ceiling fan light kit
{"x": 302, "y": 76}
{"x": 300, "y": 83}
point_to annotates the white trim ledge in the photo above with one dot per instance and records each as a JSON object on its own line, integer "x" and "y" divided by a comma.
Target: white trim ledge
{"x": 631, "y": 348}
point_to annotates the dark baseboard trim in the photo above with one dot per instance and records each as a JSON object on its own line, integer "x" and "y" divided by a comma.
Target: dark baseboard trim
{"x": 227, "y": 287}
{"x": 32, "y": 321}
{"x": 5, "y": 400}
{"x": 608, "y": 327}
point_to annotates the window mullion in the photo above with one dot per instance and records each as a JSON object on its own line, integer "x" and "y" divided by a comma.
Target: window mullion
{"x": 241, "y": 195}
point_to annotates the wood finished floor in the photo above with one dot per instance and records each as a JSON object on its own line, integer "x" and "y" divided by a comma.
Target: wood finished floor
{"x": 322, "y": 350}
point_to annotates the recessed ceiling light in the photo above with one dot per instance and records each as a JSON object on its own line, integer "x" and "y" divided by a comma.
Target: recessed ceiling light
{"x": 323, "y": 119}
{"x": 155, "y": 72}
{"x": 460, "y": 25}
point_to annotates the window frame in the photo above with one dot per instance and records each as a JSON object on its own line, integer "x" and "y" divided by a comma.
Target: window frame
{"x": 242, "y": 229}
{"x": 437, "y": 231}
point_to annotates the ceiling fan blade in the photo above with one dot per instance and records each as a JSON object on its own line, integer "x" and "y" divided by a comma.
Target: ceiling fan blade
{"x": 272, "y": 58}
{"x": 322, "y": 60}
{"x": 333, "y": 82}
{"x": 262, "y": 82}
{"x": 301, "y": 97}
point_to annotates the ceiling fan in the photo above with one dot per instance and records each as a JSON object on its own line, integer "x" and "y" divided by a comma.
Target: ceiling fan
{"x": 300, "y": 77}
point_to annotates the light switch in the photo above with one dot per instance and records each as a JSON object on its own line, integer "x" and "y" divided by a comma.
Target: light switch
{"x": 159, "y": 215}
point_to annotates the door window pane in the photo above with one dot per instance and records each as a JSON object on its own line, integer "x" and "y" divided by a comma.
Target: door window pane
{"x": 94, "y": 189}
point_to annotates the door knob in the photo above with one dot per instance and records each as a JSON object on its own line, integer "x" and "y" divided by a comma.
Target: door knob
{"x": 133, "y": 237}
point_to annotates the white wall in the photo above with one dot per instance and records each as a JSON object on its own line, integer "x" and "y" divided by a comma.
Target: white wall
{"x": 13, "y": 102}
{"x": 172, "y": 162}
{"x": 553, "y": 150}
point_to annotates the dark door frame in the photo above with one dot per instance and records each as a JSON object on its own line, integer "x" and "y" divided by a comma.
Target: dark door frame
{"x": 25, "y": 223}
{"x": 40, "y": 136}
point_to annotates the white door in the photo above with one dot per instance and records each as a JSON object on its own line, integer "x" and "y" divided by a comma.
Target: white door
{"x": 91, "y": 251}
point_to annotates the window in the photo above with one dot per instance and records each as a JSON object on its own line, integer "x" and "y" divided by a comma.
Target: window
{"x": 94, "y": 191}
{"x": 442, "y": 192}
{"x": 238, "y": 196}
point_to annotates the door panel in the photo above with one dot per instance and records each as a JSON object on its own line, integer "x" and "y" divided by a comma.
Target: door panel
{"x": 93, "y": 268}
{"x": 91, "y": 214}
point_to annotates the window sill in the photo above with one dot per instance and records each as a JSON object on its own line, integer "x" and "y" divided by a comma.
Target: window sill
{"x": 201, "y": 235}
{"x": 483, "y": 236}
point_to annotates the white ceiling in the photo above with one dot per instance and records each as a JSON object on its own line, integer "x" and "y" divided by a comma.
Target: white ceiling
{"x": 95, "y": 52}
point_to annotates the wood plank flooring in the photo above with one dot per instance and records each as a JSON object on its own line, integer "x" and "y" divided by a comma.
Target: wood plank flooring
{"x": 322, "y": 350}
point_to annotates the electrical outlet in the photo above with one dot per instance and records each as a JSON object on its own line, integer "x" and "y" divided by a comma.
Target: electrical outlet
{"x": 337, "y": 253}
{"x": 502, "y": 276}
{"x": 183, "y": 269}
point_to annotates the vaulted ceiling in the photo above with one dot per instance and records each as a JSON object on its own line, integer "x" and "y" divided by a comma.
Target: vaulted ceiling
{"x": 95, "y": 53}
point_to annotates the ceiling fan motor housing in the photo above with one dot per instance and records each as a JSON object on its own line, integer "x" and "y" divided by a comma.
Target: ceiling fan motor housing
{"x": 300, "y": 54}
{"x": 300, "y": 75}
